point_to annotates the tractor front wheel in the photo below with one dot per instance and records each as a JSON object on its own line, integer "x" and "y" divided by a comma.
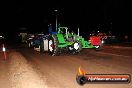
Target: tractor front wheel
{"x": 76, "y": 47}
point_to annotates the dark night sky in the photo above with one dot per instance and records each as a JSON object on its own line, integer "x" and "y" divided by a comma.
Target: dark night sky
{"x": 36, "y": 15}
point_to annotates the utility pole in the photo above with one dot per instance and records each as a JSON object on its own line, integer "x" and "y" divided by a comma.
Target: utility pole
{"x": 56, "y": 18}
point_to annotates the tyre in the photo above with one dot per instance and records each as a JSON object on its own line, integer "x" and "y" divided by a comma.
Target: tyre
{"x": 44, "y": 46}
{"x": 76, "y": 47}
{"x": 53, "y": 46}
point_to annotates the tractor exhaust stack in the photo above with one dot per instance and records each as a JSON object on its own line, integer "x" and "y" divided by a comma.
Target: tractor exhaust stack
{"x": 78, "y": 32}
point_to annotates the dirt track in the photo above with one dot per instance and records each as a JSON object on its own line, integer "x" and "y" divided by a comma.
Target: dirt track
{"x": 35, "y": 70}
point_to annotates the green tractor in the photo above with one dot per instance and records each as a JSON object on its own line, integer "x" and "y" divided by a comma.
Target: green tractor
{"x": 60, "y": 42}
{"x": 63, "y": 41}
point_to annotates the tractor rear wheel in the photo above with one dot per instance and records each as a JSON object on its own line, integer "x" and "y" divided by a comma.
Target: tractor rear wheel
{"x": 53, "y": 46}
{"x": 44, "y": 46}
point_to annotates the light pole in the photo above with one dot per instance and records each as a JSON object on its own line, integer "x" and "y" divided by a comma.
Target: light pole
{"x": 56, "y": 17}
